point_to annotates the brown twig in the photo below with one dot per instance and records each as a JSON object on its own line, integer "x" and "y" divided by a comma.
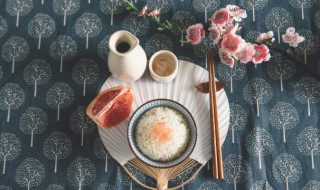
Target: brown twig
{"x": 216, "y": 146}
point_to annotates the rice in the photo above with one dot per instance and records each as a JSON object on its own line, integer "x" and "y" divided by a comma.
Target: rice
{"x": 166, "y": 146}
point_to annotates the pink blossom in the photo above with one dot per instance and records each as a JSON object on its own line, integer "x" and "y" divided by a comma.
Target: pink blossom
{"x": 154, "y": 12}
{"x": 298, "y": 39}
{"x": 220, "y": 17}
{"x": 263, "y": 37}
{"x": 226, "y": 58}
{"x": 236, "y": 13}
{"x": 269, "y": 35}
{"x": 143, "y": 11}
{"x": 261, "y": 53}
{"x": 246, "y": 53}
{"x": 291, "y": 30}
{"x": 231, "y": 43}
{"x": 229, "y": 27}
{"x": 195, "y": 33}
{"x": 292, "y": 38}
{"x": 215, "y": 33}
{"x": 289, "y": 36}
{"x": 234, "y": 29}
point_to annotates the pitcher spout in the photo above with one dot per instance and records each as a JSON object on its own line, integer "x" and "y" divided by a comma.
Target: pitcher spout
{"x": 122, "y": 42}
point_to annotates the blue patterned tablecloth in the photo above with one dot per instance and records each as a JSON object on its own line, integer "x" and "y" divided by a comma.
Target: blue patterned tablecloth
{"x": 49, "y": 48}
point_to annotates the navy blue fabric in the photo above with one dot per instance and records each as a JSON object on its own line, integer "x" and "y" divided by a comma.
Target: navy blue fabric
{"x": 281, "y": 162}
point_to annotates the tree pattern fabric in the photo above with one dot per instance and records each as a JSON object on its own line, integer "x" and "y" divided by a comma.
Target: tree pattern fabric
{"x": 54, "y": 61}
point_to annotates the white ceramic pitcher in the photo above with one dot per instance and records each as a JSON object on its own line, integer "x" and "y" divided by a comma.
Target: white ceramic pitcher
{"x": 127, "y": 60}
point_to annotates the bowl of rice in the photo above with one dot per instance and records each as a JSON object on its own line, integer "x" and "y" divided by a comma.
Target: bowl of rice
{"x": 162, "y": 133}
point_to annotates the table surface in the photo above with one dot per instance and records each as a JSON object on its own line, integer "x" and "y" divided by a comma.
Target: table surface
{"x": 277, "y": 149}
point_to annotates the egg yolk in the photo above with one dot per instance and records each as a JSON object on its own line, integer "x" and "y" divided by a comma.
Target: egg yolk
{"x": 161, "y": 133}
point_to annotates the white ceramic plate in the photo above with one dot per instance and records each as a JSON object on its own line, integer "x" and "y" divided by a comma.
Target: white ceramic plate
{"x": 182, "y": 90}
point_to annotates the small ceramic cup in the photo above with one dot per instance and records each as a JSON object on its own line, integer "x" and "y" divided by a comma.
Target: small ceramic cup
{"x": 163, "y": 66}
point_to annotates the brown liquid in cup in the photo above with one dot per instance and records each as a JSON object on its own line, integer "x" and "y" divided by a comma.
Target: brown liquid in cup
{"x": 163, "y": 65}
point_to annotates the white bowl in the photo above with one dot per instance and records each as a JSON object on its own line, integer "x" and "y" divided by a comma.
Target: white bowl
{"x": 173, "y": 105}
{"x": 163, "y": 66}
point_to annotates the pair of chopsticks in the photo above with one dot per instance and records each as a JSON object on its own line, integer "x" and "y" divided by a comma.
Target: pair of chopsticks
{"x": 216, "y": 147}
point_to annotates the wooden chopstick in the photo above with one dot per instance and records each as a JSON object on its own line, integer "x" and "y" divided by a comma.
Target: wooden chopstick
{"x": 212, "y": 120}
{"x": 216, "y": 148}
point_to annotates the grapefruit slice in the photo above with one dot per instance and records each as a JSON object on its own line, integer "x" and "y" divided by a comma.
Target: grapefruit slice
{"x": 111, "y": 106}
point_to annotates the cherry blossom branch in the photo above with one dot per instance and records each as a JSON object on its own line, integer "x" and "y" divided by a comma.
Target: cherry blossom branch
{"x": 154, "y": 15}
